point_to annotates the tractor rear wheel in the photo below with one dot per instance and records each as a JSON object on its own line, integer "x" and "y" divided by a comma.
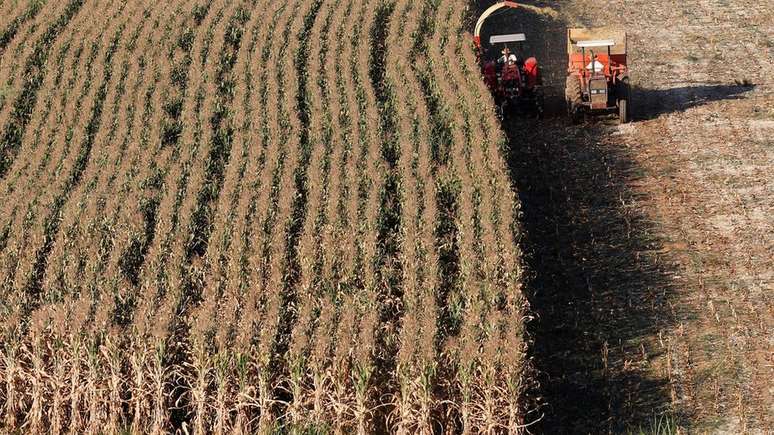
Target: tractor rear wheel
{"x": 623, "y": 101}
{"x": 574, "y": 98}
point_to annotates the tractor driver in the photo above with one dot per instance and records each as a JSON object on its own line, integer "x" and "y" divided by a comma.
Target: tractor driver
{"x": 595, "y": 65}
{"x": 506, "y": 58}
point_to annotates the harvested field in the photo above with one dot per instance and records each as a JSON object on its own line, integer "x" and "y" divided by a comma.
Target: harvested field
{"x": 649, "y": 247}
{"x": 250, "y": 216}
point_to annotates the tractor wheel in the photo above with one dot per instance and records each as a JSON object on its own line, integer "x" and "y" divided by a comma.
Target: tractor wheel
{"x": 623, "y": 115}
{"x": 623, "y": 101}
{"x": 574, "y": 98}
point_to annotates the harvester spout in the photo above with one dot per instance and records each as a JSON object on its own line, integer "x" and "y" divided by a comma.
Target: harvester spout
{"x": 487, "y": 13}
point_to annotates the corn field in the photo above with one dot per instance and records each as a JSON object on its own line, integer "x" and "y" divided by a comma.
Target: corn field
{"x": 251, "y": 216}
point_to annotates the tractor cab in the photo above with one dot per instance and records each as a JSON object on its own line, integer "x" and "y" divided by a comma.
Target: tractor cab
{"x": 512, "y": 77}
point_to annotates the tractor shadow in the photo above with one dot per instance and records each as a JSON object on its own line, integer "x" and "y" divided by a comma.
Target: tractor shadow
{"x": 651, "y": 103}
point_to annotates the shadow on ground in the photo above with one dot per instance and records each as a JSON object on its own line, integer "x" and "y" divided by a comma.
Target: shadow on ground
{"x": 597, "y": 294}
{"x": 650, "y": 103}
{"x": 598, "y": 286}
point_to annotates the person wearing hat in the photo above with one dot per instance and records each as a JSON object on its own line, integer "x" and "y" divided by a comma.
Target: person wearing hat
{"x": 506, "y": 57}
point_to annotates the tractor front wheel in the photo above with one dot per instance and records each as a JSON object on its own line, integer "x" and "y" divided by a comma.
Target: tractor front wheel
{"x": 623, "y": 101}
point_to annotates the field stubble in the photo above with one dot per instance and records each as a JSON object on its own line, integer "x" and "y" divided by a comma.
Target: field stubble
{"x": 645, "y": 247}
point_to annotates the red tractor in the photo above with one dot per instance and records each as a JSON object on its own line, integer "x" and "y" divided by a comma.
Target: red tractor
{"x": 597, "y": 75}
{"x": 515, "y": 82}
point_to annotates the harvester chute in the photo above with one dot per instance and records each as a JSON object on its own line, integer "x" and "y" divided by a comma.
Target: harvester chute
{"x": 488, "y": 13}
